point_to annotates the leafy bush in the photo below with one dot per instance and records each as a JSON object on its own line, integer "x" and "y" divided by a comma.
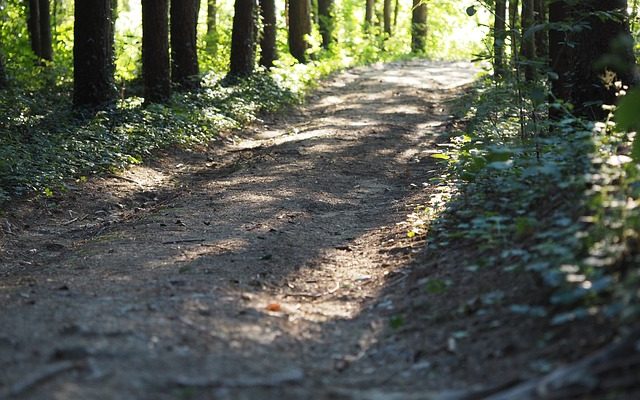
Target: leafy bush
{"x": 559, "y": 199}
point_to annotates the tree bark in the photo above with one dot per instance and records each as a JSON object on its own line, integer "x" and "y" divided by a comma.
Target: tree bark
{"x": 212, "y": 26}
{"x": 326, "y": 23}
{"x": 396, "y": 12}
{"x": 3, "y": 73}
{"x": 606, "y": 48}
{"x": 528, "y": 50}
{"x": 268, "y": 52}
{"x": 33, "y": 24}
{"x": 386, "y": 16}
{"x": 559, "y": 57}
{"x": 243, "y": 38}
{"x": 299, "y": 28}
{"x": 368, "y": 14}
{"x": 46, "y": 47}
{"x": 155, "y": 51}
{"x": 184, "y": 53}
{"x": 513, "y": 30}
{"x": 93, "y": 84}
{"x": 419, "y": 27}
{"x": 315, "y": 19}
{"x": 499, "y": 34}
{"x": 542, "y": 35}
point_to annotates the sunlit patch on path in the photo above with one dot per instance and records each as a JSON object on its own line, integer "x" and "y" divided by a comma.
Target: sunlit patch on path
{"x": 256, "y": 269}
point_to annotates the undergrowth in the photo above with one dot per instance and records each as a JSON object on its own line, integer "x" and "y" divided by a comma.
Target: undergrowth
{"x": 43, "y": 143}
{"x": 559, "y": 200}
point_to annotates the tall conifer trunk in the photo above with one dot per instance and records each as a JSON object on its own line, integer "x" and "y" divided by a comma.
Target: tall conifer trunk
{"x": 419, "y": 26}
{"x": 3, "y": 73}
{"x": 386, "y": 16}
{"x": 368, "y": 14}
{"x": 499, "y": 34}
{"x": 155, "y": 51}
{"x": 184, "y": 52}
{"x": 46, "y": 47}
{"x": 528, "y": 50}
{"x": 326, "y": 26}
{"x": 514, "y": 24}
{"x": 299, "y": 28}
{"x": 604, "y": 54}
{"x": 93, "y": 84}
{"x": 269, "y": 28}
{"x": 33, "y": 24}
{"x": 212, "y": 26}
{"x": 243, "y": 38}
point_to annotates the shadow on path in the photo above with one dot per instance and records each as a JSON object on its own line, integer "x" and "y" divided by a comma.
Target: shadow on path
{"x": 256, "y": 270}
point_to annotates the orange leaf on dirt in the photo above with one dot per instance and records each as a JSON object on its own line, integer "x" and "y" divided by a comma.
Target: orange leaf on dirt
{"x": 274, "y": 307}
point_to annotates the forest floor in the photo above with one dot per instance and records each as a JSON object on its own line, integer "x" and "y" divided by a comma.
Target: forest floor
{"x": 273, "y": 264}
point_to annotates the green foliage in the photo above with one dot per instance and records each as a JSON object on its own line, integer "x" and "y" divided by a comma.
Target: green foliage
{"x": 43, "y": 143}
{"x": 562, "y": 202}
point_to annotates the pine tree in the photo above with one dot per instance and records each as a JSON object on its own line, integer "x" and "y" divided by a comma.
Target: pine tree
{"x": 184, "y": 52}
{"x": 419, "y": 26}
{"x": 243, "y": 38}
{"x": 299, "y": 28}
{"x": 93, "y": 84}
{"x": 155, "y": 51}
{"x": 326, "y": 21}
{"x": 268, "y": 39}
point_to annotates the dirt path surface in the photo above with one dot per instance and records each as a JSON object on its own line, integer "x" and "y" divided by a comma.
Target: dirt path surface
{"x": 265, "y": 267}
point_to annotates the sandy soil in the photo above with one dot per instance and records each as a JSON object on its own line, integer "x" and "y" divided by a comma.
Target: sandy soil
{"x": 268, "y": 266}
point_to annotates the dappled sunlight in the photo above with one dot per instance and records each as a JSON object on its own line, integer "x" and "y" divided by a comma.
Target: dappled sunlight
{"x": 274, "y": 246}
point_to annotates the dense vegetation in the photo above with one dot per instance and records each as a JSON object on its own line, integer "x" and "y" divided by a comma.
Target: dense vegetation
{"x": 544, "y": 177}
{"x": 45, "y": 140}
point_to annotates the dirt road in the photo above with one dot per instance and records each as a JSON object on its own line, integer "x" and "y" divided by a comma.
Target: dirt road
{"x": 264, "y": 267}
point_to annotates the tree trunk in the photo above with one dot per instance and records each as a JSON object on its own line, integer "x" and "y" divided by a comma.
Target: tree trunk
{"x": 368, "y": 14}
{"x": 299, "y": 28}
{"x": 386, "y": 16}
{"x": 499, "y": 34}
{"x": 419, "y": 27}
{"x": 528, "y": 50}
{"x": 326, "y": 23}
{"x": 314, "y": 12}
{"x": 33, "y": 24}
{"x": 92, "y": 46}
{"x": 268, "y": 52}
{"x": 559, "y": 56}
{"x": 155, "y": 51}
{"x": 513, "y": 30}
{"x": 3, "y": 73}
{"x": 542, "y": 35}
{"x": 39, "y": 24}
{"x": 212, "y": 26}
{"x": 243, "y": 38}
{"x": 396, "y": 11}
{"x": 184, "y": 51}
{"x": 46, "y": 47}
{"x": 605, "y": 48}
{"x": 112, "y": 32}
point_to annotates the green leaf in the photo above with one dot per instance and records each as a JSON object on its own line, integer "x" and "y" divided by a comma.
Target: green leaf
{"x": 440, "y": 156}
{"x": 436, "y": 286}
{"x": 396, "y": 322}
{"x": 627, "y": 114}
{"x": 501, "y": 165}
{"x": 635, "y": 149}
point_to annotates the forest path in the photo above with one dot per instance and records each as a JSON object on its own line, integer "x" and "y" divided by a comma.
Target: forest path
{"x": 266, "y": 267}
